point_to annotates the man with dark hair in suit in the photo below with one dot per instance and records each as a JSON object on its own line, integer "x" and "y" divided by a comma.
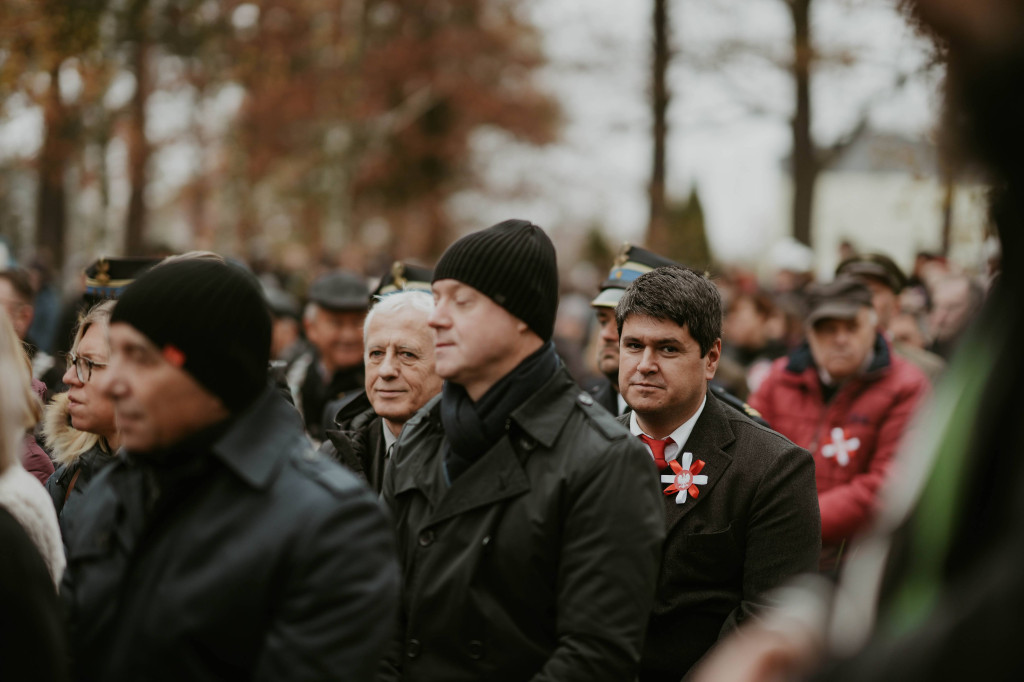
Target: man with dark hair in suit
{"x": 740, "y": 504}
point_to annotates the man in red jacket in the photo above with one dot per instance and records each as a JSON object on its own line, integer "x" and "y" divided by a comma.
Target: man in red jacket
{"x": 847, "y": 398}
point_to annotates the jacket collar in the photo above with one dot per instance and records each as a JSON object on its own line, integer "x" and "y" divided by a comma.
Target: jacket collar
{"x": 352, "y": 406}
{"x": 499, "y": 474}
{"x": 254, "y": 446}
{"x": 801, "y": 358}
{"x": 543, "y": 415}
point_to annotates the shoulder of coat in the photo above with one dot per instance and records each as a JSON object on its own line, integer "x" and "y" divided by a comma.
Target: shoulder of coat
{"x": 601, "y": 419}
{"x": 325, "y": 472}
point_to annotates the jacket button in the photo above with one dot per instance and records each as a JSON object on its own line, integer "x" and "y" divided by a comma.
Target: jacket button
{"x": 585, "y": 399}
{"x": 426, "y": 538}
{"x": 476, "y": 649}
{"x": 412, "y": 648}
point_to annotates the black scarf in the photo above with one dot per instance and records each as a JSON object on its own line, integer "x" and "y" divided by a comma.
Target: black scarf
{"x": 472, "y": 429}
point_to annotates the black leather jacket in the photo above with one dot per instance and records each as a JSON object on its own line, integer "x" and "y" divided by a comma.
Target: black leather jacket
{"x": 272, "y": 564}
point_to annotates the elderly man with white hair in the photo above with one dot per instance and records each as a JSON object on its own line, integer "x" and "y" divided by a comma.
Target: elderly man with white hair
{"x": 400, "y": 379}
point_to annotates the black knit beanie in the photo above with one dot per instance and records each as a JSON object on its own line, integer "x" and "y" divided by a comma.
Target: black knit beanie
{"x": 214, "y": 314}
{"x": 514, "y": 264}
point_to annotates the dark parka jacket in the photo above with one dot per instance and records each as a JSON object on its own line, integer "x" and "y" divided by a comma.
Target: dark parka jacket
{"x": 273, "y": 564}
{"x": 540, "y": 561}
{"x": 358, "y": 440}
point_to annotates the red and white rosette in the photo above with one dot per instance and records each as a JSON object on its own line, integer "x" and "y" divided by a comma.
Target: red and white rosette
{"x": 685, "y": 478}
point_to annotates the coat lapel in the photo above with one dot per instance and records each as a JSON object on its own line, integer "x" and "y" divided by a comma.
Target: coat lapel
{"x": 711, "y": 434}
{"x": 497, "y": 476}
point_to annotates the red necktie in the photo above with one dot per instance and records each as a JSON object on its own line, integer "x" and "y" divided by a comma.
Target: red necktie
{"x": 658, "y": 448}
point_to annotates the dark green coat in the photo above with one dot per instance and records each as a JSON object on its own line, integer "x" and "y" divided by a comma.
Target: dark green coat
{"x": 540, "y": 562}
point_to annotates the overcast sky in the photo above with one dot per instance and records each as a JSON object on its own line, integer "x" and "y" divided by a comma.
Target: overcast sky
{"x": 599, "y": 53}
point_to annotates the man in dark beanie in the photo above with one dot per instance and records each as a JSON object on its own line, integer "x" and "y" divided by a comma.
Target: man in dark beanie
{"x": 528, "y": 521}
{"x": 218, "y": 546}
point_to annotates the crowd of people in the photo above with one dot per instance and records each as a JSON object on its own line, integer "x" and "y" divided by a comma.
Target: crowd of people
{"x": 524, "y": 526}
{"x": 396, "y": 485}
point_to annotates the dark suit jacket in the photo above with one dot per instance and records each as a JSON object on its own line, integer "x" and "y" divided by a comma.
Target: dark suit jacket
{"x": 753, "y": 525}
{"x": 606, "y": 396}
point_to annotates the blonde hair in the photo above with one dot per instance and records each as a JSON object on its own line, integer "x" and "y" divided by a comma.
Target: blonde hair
{"x": 73, "y": 443}
{"x": 18, "y": 404}
{"x": 99, "y": 312}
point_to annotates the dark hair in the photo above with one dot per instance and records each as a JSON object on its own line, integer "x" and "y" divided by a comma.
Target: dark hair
{"x": 21, "y": 283}
{"x": 679, "y": 294}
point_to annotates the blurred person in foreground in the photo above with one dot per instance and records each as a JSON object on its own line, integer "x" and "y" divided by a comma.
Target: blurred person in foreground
{"x": 21, "y": 494}
{"x": 32, "y": 640}
{"x": 886, "y": 281}
{"x": 400, "y": 379}
{"x": 78, "y": 425}
{"x": 847, "y": 398}
{"x": 934, "y": 592}
{"x": 956, "y": 299}
{"x": 529, "y": 522}
{"x": 740, "y": 506}
{"x": 218, "y": 546}
{"x": 332, "y": 366}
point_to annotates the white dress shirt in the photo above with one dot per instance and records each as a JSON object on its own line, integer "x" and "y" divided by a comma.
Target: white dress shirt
{"x": 679, "y": 436}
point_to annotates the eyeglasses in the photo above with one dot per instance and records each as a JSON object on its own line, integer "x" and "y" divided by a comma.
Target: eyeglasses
{"x": 83, "y": 366}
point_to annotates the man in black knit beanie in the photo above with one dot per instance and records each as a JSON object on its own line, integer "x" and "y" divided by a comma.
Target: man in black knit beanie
{"x": 218, "y": 545}
{"x": 528, "y": 521}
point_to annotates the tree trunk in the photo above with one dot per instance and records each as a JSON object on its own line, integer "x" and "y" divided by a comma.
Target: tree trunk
{"x": 138, "y": 149}
{"x": 51, "y": 199}
{"x": 657, "y": 226}
{"x": 805, "y": 155}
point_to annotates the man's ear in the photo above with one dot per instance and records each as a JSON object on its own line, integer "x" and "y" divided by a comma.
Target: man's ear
{"x": 712, "y": 358}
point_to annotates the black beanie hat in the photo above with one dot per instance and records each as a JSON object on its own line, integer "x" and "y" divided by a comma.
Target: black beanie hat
{"x": 214, "y": 314}
{"x": 514, "y": 264}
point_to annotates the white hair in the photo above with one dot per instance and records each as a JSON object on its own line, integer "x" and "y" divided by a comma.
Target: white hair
{"x": 417, "y": 300}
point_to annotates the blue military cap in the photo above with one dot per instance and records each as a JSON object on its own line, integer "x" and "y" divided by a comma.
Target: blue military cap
{"x": 631, "y": 262}
{"x": 107, "y": 277}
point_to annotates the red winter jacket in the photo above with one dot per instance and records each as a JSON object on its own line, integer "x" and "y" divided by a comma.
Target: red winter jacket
{"x": 852, "y": 437}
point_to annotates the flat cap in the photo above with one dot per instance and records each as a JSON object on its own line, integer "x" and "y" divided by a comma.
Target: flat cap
{"x": 876, "y": 266}
{"x": 340, "y": 290}
{"x": 839, "y": 299}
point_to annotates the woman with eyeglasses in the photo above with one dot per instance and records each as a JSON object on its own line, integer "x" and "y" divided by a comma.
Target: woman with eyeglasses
{"x": 79, "y": 425}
